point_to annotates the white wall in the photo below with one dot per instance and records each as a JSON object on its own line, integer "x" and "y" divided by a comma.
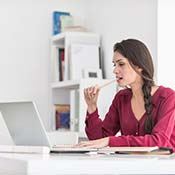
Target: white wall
{"x": 166, "y": 45}
{"x": 116, "y": 20}
{"x": 25, "y": 31}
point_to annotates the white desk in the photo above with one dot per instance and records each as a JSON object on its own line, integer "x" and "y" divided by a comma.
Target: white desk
{"x": 54, "y": 164}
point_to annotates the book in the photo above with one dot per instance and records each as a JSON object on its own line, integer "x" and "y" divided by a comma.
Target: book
{"x": 61, "y": 64}
{"x": 57, "y": 21}
{"x": 66, "y": 21}
{"x": 62, "y": 116}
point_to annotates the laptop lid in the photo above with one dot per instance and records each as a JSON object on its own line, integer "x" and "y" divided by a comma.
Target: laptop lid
{"x": 24, "y": 123}
{"x": 5, "y": 137}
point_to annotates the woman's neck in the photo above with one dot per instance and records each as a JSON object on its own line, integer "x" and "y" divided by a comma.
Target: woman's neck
{"x": 137, "y": 90}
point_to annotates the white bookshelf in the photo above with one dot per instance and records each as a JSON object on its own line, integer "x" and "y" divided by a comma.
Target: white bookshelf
{"x": 66, "y": 84}
{"x": 71, "y": 91}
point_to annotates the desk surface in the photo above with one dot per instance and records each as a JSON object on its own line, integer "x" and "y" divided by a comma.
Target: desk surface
{"x": 54, "y": 164}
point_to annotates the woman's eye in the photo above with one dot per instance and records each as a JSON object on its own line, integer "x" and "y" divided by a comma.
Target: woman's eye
{"x": 121, "y": 64}
{"x": 114, "y": 64}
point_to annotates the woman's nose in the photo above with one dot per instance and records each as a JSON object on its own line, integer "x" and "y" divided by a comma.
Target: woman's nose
{"x": 116, "y": 70}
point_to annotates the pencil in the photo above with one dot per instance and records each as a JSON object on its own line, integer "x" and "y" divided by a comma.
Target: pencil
{"x": 108, "y": 83}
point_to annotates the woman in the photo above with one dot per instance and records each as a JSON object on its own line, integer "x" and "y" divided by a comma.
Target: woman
{"x": 143, "y": 112}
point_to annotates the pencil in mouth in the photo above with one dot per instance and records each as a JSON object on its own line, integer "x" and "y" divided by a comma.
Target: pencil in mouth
{"x": 108, "y": 83}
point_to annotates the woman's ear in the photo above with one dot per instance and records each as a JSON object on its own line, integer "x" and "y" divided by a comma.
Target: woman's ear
{"x": 139, "y": 69}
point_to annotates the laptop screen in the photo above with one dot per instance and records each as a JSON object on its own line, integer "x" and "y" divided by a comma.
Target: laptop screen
{"x": 24, "y": 124}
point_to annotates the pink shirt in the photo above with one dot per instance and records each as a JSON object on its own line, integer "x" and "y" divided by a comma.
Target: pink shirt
{"x": 120, "y": 117}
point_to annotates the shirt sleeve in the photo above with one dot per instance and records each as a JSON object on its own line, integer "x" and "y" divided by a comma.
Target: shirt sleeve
{"x": 96, "y": 128}
{"x": 161, "y": 132}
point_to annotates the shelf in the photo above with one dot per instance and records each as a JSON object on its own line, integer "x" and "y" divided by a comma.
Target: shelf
{"x": 69, "y": 84}
{"x": 60, "y": 38}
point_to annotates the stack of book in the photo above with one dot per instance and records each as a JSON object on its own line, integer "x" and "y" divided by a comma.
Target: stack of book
{"x": 62, "y": 116}
{"x": 63, "y": 22}
{"x": 57, "y": 21}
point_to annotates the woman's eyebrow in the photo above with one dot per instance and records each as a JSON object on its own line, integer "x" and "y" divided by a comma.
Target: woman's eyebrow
{"x": 115, "y": 61}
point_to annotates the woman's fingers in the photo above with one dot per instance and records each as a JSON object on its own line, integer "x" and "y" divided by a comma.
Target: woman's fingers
{"x": 96, "y": 89}
{"x": 91, "y": 91}
{"x": 87, "y": 94}
{"x": 99, "y": 143}
{"x": 84, "y": 144}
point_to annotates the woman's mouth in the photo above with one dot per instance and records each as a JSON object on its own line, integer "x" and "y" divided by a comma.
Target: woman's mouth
{"x": 119, "y": 79}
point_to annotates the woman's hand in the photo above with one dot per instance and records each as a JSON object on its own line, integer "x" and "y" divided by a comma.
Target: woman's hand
{"x": 91, "y": 96}
{"x": 99, "y": 143}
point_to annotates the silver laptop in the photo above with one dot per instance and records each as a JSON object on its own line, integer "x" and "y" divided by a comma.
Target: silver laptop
{"x": 5, "y": 137}
{"x": 26, "y": 127}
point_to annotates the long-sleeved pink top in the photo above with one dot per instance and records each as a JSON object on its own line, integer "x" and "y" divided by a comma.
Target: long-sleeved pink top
{"x": 120, "y": 117}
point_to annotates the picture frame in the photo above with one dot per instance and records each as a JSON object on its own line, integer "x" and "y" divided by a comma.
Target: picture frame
{"x": 92, "y": 73}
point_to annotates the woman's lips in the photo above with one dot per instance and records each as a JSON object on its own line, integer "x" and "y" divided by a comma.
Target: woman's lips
{"x": 119, "y": 79}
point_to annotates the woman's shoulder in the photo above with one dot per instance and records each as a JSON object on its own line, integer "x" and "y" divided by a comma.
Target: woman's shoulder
{"x": 125, "y": 93}
{"x": 122, "y": 96}
{"x": 164, "y": 96}
{"x": 166, "y": 91}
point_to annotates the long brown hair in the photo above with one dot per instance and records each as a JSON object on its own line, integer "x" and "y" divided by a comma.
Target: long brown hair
{"x": 138, "y": 55}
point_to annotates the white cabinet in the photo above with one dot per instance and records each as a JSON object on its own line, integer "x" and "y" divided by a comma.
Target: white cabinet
{"x": 71, "y": 91}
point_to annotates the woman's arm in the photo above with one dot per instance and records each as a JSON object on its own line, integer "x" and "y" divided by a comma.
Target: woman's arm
{"x": 96, "y": 128}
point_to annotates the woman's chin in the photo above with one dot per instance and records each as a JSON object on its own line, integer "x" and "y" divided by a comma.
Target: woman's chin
{"x": 121, "y": 85}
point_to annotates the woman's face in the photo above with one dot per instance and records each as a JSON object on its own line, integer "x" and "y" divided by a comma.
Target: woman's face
{"x": 124, "y": 72}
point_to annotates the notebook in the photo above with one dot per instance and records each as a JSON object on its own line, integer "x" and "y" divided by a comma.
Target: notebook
{"x": 26, "y": 127}
{"x": 155, "y": 150}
